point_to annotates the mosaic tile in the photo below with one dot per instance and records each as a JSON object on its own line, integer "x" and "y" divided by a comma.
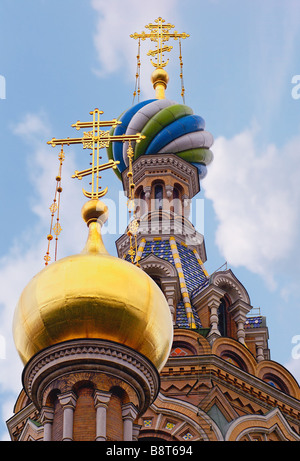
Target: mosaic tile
{"x": 169, "y": 426}
{"x": 253, "y": 322}
{"x": 147, "y": 422}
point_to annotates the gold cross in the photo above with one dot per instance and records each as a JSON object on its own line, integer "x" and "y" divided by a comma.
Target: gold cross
{"x": 95, "y": 139}
{"x": 159, "y": 33}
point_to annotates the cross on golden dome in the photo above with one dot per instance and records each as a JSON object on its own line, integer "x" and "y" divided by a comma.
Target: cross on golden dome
{"x": 159, "y": 33}
{"x": 95, "y": 139}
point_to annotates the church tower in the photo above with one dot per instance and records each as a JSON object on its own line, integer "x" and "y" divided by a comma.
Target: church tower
{"x": 147, "y": 345}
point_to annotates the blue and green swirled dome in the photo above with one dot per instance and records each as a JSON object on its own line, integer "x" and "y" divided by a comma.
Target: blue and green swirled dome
{"x": 169, "y": 128}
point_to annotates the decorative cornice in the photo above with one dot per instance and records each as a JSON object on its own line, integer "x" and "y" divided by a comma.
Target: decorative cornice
{"x": 18, "y": 420}
{"x": 236, "y": 379}
{"x": 159, "y": 265}
{"x": 95, "y": 355}
{"x": 186, "y": 411}
{"x": 252, "y": 423}
{"x": 184, "y": 170}
{"x": 229, "y": 283}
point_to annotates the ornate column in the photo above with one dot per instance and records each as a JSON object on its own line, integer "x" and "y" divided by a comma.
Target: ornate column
{"x": 169, "y": 191}
{"x": 129, "y": 413}
{"x": 261, "y": 340}
{"x": 169, "y": 286}
{"x": 101, "y": 399}
{"x": 209, "y": 299}
{"x": 47, "y": 415}
{"x": 186, "y": 205}
{"x": 259, "y": 352}
{"x": 68, "y": 402}
{"x": 239, "y": 310}
{"x": 214, "y": 320}
{"x": 135, "y": 432}
{"x": 213, "y": 304}
{"x": 147, "y": 191}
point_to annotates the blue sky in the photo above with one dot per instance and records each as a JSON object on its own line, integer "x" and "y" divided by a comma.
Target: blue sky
{"x": 61, "y": 59}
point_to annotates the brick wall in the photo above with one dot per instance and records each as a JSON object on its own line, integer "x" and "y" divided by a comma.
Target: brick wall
{"x": 114, "y": 419}
{"x": 84, "y": 428}
{"x": 57, "y": 428}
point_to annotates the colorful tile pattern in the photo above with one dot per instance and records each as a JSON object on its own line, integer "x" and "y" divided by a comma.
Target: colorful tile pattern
{"x": 254, "y": 322}
{"x": 147, "y": 422}
{"x": 183, "y": 287}
{"x": 187, "y": 436}
{"x": 194, "y": 276}
{"x": 169, "y": 426}
{"x": 178, "y": 352}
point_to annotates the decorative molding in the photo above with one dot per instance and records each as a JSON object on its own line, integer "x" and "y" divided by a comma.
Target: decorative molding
{"x": 227, "y": 281}
{"x": 224, "y": 372}
{"x": 156, "y": 163}
{"x": 96, "y": 355}
{"x": 266, "y": 424}
{"x": 18, "y": 420}
{"x": 154, "y": 264}
{"x": 185, "y": 412}
{"x": 152, "y": 228}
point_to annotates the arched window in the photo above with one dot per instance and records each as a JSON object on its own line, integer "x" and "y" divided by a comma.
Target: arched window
{"x": 234, "y": 359}
{"x": 175, "y": 193}
{"x": 222, "y": 318}
{"x": 182, "y": 349}
{"x": 142, "y": 204}
{"x": 158, "y": 195}
{"x": 177, "y": 208}
{"x": 275, "y": 381}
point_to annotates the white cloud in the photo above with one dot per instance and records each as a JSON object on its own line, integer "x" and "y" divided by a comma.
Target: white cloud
{"x": 119, "y": 19}
{"x": 255, "y": 194}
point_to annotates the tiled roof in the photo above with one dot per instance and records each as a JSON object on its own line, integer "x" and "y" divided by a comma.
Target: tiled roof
{"x": 195, "y": 279}
{"x": 160, "y": 248}
{"x": 194, "y": 276}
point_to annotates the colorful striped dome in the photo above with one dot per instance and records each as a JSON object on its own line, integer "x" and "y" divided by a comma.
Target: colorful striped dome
{"x": 169, "y": 128}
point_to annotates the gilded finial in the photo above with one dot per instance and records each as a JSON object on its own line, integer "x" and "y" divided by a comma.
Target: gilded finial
{"x": 95, "y": 213}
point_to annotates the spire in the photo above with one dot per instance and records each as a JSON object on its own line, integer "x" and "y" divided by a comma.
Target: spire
{"x": 160, "y": 32}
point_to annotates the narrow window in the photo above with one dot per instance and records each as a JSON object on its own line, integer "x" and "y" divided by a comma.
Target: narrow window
{"x": 158, "y": 194}
{"x": 222, "y": 318}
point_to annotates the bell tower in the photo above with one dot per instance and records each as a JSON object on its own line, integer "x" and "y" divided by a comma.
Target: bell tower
{"x": 165, "y": 185}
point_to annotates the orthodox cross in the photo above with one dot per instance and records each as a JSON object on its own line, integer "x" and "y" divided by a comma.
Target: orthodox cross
{"x": 95, "y": 140}
{"x": 159, "y": 33}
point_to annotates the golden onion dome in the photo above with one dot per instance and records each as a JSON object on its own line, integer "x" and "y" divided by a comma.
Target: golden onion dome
{"x": 93, "y": 295}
